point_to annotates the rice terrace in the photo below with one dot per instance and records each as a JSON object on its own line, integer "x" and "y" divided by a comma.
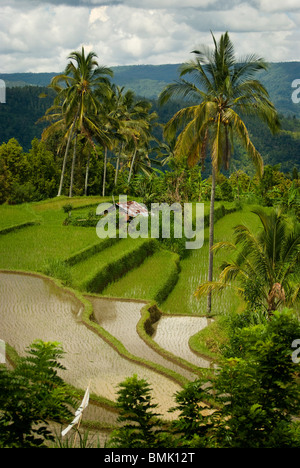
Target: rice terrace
{"x": 155, "y": 344}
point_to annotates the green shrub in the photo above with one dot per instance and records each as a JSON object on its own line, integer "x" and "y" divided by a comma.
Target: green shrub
{"x": 141, "y": 424}
{"x": 31, "y": 395}
{"x": 152, "y": 316}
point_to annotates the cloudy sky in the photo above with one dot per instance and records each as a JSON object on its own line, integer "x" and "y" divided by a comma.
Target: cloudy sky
{"x": 37, "y": 36}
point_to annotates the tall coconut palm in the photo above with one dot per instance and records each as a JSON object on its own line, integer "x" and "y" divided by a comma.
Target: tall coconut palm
{"x": 223, "y": 90}
{"x": 109, "y": 123}
{"x": 124, "y": 105}
{"x": 142, "y": 121}
{"x": 266, "y": 265}
{"x": 76, "y": 91}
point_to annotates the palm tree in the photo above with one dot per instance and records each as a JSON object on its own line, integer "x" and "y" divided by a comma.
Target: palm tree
{"x": 108, "y": 122}
{"x": 142, "y": 121}
{"x": 266, "y": 265}
{"x": 124, "y": 105}
{"x": 223, "y": 90}
{"x": 76, "y": 91}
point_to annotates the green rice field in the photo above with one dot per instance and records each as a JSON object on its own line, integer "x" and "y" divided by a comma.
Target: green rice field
{"x": 147, "y": 281}
{"x": 32, "y": 248}
{"x": 125, "y": 270}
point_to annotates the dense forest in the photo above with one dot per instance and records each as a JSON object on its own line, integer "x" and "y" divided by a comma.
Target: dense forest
{"x": 30, "y": 168}
{"x": 20, "y": 119}
{"x": 149, "y": 80}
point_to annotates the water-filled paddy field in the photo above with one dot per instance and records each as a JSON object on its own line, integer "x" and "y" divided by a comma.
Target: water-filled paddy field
{"x": 33, "y": 308}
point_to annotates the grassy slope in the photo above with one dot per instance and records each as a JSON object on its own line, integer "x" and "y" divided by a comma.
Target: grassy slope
{"x": 92, "y": 265}
{"x": 194, "y": 270}
{"x": 12, "y": 215}
{"x": 31, "y": 248}
{"x": 146, "y": 281}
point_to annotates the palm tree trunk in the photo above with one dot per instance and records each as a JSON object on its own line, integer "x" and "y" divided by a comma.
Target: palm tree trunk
{"x": 132, "y": 164}
{"x": 73, "y": 168}
{"x": 87, "y": 176}
{"x": 64, "y": 166}
{"x": 104, "y": 172}
{"x": 66, "y": 157}
{"x": 118, "y": 164}
{"x": 211, "y": 235}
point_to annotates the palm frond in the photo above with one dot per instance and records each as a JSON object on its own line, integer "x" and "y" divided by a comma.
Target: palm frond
{"x": 244, "y": 136}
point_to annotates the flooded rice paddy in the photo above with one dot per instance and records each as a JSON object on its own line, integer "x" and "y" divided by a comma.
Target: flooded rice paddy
{"x": 173, "y": 334}
{"x": 34, "y": 308}
{"x": 120, "y": 319}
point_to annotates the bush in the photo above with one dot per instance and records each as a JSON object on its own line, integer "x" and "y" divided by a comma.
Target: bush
{"x": 31, "y": 395}
{"x": 141, "y": 427}
{"x": 258, "y": 389}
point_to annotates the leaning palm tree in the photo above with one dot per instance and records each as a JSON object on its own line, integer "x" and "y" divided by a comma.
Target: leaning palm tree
{"x": 76, "y": 91}
{"x": 222, "y": 91}
{"x": 266, "y": 266}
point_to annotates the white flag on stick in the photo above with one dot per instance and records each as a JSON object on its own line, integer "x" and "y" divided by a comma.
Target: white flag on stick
{"x": 79, "y": 412}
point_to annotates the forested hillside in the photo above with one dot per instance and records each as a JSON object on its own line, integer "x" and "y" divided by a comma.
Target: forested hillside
{"x": 19, "y": 119}
{"x": 149, "y": 80}
{"x": 19, "y": 116}
{"x": 28, "y": 98}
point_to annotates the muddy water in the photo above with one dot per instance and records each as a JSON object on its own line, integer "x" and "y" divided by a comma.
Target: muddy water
{"x": 173, "y": 334}
{"x": 120, "y": 319}
{"x": 33, "y": 308}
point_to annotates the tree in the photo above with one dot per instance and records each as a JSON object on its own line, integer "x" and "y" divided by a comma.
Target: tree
{"x": 15, "y": 160}
{"x": 31, "y": 395}
{"x": 5, "y": 181}
{"x": 137, "y": 412}
{"x": 142, "y": 122}
{"x": 108, "y": 122}
{"x": 266, "y": 266}
{"x": 223, "y": 90}
{"x": 120, "y": 104}
{"x": 257, "y": 393}
{"x": 194, "y": 421}
{"x": 44, "y": 173}
{"x": 79, "y": 103}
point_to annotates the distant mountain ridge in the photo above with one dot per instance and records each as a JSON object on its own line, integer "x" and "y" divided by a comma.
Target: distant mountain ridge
{"x": 149, "y": 80}
{"x": 27, "y": 100}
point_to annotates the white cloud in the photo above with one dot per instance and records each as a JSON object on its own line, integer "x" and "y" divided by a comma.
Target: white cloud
{"x": 98, "y": 14}
{"x": 278, "y": 5}
{"x": 38, "y": 35}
